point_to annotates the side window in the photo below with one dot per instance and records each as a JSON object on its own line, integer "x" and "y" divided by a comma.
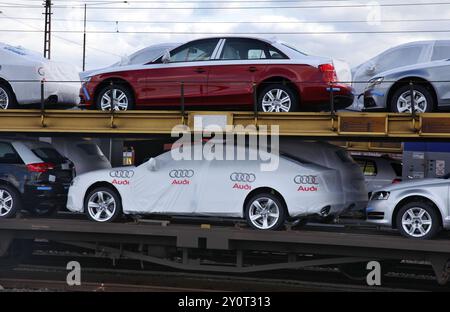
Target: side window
{"x": 8, "y": 155}
{"x": 248, "y": 49}
{"x": 441, "y": 51}
{"x": 368, "y": 167}
{"x": 200, "y": 50}
{"x": 398, "y": 58}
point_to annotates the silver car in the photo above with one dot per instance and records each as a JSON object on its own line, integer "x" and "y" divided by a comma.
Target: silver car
{"x": 402, "y": 55}
{"x": 418, "y": 209}
{"x": 391, "y": 90}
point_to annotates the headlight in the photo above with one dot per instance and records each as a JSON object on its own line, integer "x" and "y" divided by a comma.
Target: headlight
{"x": 383, "y": 195}
{"x": 374, "y": 82}
{"x": 87, "y": 79}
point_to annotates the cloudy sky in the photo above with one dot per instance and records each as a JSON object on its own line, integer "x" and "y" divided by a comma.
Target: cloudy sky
{"x": 179, "y": 21}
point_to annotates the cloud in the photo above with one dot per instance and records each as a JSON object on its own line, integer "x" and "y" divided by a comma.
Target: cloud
{"x": 355, "y": 48}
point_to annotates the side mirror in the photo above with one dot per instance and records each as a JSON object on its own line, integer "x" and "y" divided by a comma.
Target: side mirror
{"x": 166, "y": 57}
{"x": 151, "y": 164}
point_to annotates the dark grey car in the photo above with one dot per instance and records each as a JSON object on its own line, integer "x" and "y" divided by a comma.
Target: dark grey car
{"x": 391, "y": 90}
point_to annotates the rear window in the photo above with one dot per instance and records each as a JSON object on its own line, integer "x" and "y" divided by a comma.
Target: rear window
{"x": 48, "y": 154}
{"x": 397, "y": 168}
{"x": 90, "y": 149}
{"x": 368, "y": 167}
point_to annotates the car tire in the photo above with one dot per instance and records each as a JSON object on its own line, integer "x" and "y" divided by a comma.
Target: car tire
{"x": 265, "y": 219}
{"x": 124, "y": 98}
{"x": 10, "y": 202}
{"x": 412, "y": 227}
{"x": 106, "y": 211}
{"x": 7, "y": 97}
{"x": 271, "y": 96}
{"x": 396, "y": 105}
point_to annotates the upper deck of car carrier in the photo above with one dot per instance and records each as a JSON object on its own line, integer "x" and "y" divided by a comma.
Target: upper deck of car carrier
{"x": 346, "y": 125}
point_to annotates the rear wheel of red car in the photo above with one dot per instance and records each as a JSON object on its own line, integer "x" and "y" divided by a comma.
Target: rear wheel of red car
{"x": 117, "y": 97}
{"x": 277, "y": 98}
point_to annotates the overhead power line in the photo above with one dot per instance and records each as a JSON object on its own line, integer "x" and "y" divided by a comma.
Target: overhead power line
{"x": 231, "y": 22}
{"x": 232, "y": 33}
{"x": 272, "y": 7}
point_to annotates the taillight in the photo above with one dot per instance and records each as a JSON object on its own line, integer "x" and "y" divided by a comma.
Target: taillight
{"x": 395, "y": 181}
{"x": 329, "y": 72}
{"x": 40, "y": 167}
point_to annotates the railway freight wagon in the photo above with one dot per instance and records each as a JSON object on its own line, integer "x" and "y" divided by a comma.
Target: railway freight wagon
{"x": 425, "y": 160}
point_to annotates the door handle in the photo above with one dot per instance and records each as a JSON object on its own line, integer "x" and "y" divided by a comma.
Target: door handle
{"x": 252, "y": 69}
{"x": 200, "y": 70}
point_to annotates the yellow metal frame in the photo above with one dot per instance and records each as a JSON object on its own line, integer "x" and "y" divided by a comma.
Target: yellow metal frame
{"x": 344, "y": 124}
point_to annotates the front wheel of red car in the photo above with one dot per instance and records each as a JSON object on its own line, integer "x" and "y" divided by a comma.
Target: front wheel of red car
{"x": 116, "y": 97}
{"x": 277, "y": 98}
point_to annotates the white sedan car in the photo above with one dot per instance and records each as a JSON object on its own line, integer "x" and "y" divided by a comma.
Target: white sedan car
{"x": 418, "y": 209}
{"x": 237, "y": 189}
{"x": 21, "y": 73}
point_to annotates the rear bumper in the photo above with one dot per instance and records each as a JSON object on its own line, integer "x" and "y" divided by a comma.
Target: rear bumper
{"x": 51, "y": 194}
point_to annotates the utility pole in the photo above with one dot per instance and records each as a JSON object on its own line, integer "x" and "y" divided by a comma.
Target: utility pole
{"x": 84, "y": 38}
{"x": 48, "y": 28}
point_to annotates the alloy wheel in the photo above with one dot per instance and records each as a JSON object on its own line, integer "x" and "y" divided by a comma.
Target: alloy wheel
{"x": 6, "y": 202}
{"x": 404, "y": 104}
{"x": 101, "y": 206}
{"x": 4, "y": 99}
{"x": 264, "y": 213}
{"x": 115, "y": 98}
{"x": 276, "y": 100}
{"x": 417, "y": 222}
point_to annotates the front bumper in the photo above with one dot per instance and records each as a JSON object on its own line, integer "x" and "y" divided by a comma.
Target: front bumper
{"x": 380, "y": 212}
{"x": 376, "y": 98}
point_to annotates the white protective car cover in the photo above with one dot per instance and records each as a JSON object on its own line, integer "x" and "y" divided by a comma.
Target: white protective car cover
{"x": 332, "y": 156}
{"x": 19, "y": 64}
{"x": 213, "y": 188}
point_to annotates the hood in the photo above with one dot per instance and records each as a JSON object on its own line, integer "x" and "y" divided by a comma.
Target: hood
{"x": 413, "y": 184}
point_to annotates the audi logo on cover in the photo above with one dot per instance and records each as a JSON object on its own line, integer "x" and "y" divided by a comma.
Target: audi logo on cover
{"x": 243, "y": 177}
{"x": 306, "y": 179}
{"x": 121, "y": 174}
{"x": 181, "y": 173}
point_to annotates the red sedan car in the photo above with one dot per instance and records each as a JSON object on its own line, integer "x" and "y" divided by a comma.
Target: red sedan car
{"x": 221, "y": 73}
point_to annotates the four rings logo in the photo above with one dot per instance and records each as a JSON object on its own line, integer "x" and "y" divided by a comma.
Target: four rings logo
{"x": 121, "y": 174}
{"x": 181, "y": 176}
{"x": 243, "y": 177}
{"x": 181, "y": 173}
{"x": 242, "y": 180}
{"x": 306, "y": 179}
{"x": 310, "y": 180}
{"x": 121, "y": 177}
